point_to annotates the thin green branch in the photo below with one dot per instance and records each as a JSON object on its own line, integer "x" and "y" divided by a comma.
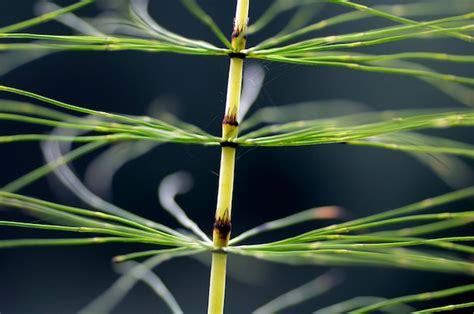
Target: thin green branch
{"x": 138, "y": 255}
{"x": 446, "y": 308}
{"x": 4, "y": 244}
{"x": 416, "y": 207}
{"x": 370, "y": 241}
{"x": 412, "y": 9}
{"x": 319, "y": 213}
{"x": 465, "y": 152}
{"x": 111, "y": 47}
{"x": 274, "y": 10}
{"x": 79, "y": 125}
{"x": 388, "y": 57}
{"x": 425, "y": 228}
{"x": 368, "y": 68}
{"x": 44, "y": 170}
{"x": 78, "y": 139}
{"x": 20, "y": 199}
{"x": 76, "y": 217}
{"x": 400, "y": 258}
{"x": 74, "y": 229}
{"x": 105, "y": 115}
{"x": 155, "y": 129}
{"x": 396, "y": 18}
{"x": 66, "y": 218}
{"x": 45, "y": 17}
{"x": 329, "y": 131}
{"x": 416, "y": 298}
{"x": 461, "y": 93}
{"x": 111, "y": 43}
{"x": 195, "y": 9}
{"x": 346, "y": 306}
{"x": 370, "y": 37}
{"x": 25, "y": 108}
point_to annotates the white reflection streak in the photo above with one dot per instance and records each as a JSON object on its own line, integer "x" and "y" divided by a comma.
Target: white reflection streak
{"x": 152, "y": 280}
{"x": 110, "y": 298}
{"x": 254, "y": 75}
{"x": 100, "y": 173}
{"x": 171, "y": 186}
{"x": 70, "y": 20}
{"x": 316, "y": 287}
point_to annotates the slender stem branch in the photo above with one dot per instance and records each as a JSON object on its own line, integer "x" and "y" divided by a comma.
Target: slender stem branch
{"x": 230, "y": 129}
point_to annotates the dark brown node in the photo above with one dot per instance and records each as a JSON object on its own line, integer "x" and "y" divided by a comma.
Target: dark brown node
{"x": 238, "y": 29}
{"x": 236, "y": 32}
{"x": 230, "y": 120}
{"x": 223, "y": 228}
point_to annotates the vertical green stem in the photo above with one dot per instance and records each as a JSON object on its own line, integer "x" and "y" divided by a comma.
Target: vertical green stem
{"x": 217, "y": 286}
{"x": 230, "y": 129}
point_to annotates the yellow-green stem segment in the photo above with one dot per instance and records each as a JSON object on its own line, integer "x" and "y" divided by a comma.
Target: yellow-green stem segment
{"x": 230, "y": 130}
{"x": 217, "y": 287}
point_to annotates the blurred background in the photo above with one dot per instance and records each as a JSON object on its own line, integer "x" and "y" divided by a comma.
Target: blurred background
{"x": 270, "y": 182}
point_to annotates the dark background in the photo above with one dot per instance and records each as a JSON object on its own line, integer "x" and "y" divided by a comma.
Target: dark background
{"x": 270, "y": 182}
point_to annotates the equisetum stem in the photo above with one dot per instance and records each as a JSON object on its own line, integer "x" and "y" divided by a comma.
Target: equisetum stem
{"x": 217, "y": 286}
{"x": 230, "y": 129}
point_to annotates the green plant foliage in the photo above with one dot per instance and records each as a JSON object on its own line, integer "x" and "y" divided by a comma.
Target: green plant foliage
{"x": 400, "y": 238}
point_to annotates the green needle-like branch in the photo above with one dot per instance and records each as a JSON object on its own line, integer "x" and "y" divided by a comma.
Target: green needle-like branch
{"x": 416, "y": 298}
{"x": 45, "y": 17}
{"x": 207, "y": 20}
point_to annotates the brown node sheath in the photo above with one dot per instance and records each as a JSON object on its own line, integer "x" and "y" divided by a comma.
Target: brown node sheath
{"x": 238, "y": 29}
{"x": 230, "y": 120}
{"x": 235, "y": 33}
{"x": 222, "y": 229}
{"x": 239, "y": 36}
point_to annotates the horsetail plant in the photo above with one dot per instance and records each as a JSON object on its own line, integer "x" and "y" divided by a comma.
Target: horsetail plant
{"x": 381, "y": 239}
